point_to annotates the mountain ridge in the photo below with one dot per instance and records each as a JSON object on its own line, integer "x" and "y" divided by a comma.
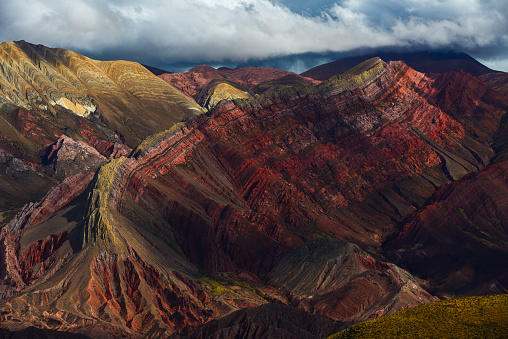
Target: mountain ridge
{"x": 425, "y": 62}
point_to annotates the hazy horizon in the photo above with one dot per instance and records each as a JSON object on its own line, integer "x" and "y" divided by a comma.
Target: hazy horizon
{"x": 294, "y": 34}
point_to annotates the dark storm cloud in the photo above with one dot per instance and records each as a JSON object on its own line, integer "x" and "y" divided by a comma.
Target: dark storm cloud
{"x": 220, "y": 31}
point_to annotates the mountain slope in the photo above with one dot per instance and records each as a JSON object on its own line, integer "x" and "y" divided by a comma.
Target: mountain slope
{"x": 426, "y": 62}
{"x": 267, "y": 321}
{"x": 192, "y": 81}
{"x": 128, "y": 98}
{"x": 459, "y": 241}
{"x": 473, "y": 317}
{"x": 219, "y": 89}
{"x": 46, "y": 94}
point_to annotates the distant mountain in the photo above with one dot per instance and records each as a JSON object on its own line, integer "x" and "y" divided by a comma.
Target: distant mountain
{"x": 426, "y": 62}
{"x": 156, "y": 71}
{"x": 192, "y": 81}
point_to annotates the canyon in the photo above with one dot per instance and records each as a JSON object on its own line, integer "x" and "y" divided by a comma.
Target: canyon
{"x": 242, "y": 202}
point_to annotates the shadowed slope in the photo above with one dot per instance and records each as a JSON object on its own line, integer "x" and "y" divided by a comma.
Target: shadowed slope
{"x": 496, "y": 80}
{"x": 267, "y": 321}
{"x": 426, "y": 62}
{"x": 460, "y": 240}
{"x": 337, "y": 280}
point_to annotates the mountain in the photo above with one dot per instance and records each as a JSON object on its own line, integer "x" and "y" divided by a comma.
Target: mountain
{"x": 496, "y": 80}
{"x": 102, "y": 107}
{"x": 221, "y": 89}
{"x": 296, "y": 211}
{"x": 473, "y": 317}
{"x": 425, "y": 62}
{"x": 128, "y": 98}
{"x": 192, "y": 81}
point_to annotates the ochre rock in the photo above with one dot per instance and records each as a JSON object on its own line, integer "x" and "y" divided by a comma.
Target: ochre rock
{"x": 128, "y": 98}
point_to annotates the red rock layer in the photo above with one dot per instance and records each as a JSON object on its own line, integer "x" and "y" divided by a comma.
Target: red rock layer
{"x": 496, "y": 80}
{"x": 255, "y": 177}
{"x": 339, "y": 281}
{"x": 20, "y": 259}
{"x": 459, "y": 240}
{"x": 127, "y": 291}
{"x": 192, "y": 81}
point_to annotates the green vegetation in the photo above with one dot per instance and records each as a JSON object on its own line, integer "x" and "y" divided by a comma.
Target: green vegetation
{"x": 9, "y": 211}
{"x": 216, "y": 288}
{"x": 470, "y": 317}
{"x": 478, "y": 233}
{"x": 321, "y": 234}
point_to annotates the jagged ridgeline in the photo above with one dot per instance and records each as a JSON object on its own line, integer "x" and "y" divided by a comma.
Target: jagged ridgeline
{"x": 124, "y": 95}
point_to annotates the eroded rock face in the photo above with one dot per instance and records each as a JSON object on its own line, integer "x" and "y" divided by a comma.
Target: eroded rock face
{"x": 26, "y": 261}
{"x": 188, "y": 227}
{"x": 458, "y": 241}
{"x": 337, "y": 280}
{"x": 68, "y": 157}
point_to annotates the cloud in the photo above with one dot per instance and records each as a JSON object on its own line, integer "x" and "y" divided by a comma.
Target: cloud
{"x": 170, "y": 31}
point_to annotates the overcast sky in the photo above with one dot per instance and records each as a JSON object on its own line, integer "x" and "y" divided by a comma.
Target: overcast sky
{"x": 168, "y": 33}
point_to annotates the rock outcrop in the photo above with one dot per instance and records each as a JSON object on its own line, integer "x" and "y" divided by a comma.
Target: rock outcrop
{"x": 68, "y": 157}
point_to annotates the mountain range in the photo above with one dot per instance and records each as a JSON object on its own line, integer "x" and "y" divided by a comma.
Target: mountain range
{"x": 248, "y": 202}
